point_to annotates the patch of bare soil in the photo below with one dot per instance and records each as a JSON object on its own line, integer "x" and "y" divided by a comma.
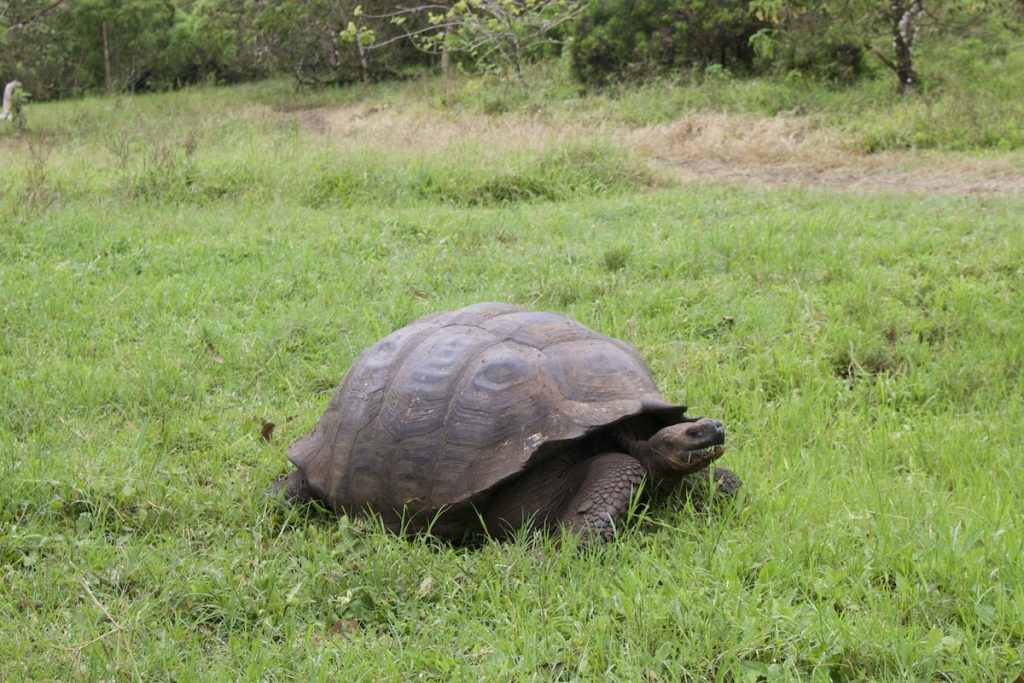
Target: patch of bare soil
{"x": 779, "y": 151}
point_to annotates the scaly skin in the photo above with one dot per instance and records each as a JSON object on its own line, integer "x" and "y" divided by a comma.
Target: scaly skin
{"x": 608, "y": 483}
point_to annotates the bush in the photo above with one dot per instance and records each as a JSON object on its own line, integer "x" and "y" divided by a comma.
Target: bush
{"x": 812, "y": 41}
{"x": 306, "y": 39}
{"x": 631, "y": 37}
{"x": 64, "y": 49}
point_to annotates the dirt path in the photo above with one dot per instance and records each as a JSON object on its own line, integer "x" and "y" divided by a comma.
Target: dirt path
{"x": 781, "y": 151}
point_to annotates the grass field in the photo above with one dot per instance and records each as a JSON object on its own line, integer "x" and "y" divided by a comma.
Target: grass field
{"x": 176, "y": 270}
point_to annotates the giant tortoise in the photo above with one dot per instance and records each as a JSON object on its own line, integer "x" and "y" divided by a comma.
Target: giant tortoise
{"x": 490, "y": 418}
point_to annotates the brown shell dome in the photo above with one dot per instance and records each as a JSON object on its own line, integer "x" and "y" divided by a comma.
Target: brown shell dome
{"x": 457, "y": 402}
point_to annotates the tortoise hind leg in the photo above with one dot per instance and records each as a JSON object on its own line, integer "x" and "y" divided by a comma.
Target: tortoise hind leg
{"x": 606, "y": 485}
{"x": 532, "y": 500}
{"x": 296, "y": 488}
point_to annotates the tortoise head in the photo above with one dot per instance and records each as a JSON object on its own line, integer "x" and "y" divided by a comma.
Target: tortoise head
{"x": 685, "y": 447}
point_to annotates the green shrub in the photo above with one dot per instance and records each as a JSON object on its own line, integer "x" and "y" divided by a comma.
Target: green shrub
{"x": 815, "y": 39}
{"x": 834, "y": 59}
{"x": 630, "y": 37}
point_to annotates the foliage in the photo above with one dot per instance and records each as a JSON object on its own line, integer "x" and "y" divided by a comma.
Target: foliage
{"x": 311, "y": 41}
{"x": 84, "y": 45}
{"x": 305, "y": 40}
{"x": 220, "y": 40}
{"x": 59, "y": 48}
{"x": 489, "y": 34}
{"x": 824, "y": 40}
{"x": 34, "y": 47}
{"x": 830, "y": 39}
{"x": 506, "y": 33}
{"x": 813, "y": 38}
{"x": 640, "y": 37}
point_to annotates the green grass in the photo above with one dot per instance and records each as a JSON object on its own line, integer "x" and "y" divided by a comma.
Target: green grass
{"x": 203, "y": 146}
{"x": 158, "y": 304}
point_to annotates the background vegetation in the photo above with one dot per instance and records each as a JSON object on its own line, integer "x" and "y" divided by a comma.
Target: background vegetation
{"x": 66, "y": 47}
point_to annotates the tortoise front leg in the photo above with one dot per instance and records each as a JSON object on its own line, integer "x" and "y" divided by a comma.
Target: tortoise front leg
{"x": 605, "y": 485}
{"x": 695, "y": 487}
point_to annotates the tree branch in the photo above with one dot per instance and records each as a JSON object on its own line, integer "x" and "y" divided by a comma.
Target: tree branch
{"x": 399, "y": 11}
{"x": 17, "y": 26}
{"x": 882, "y": 58}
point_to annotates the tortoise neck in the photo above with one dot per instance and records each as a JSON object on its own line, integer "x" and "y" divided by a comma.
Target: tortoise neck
{"x": 632, "y": 439}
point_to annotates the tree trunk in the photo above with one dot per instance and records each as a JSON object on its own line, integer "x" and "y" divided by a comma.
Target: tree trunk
{"x": 108, "y": 84}
{"x": 364, "y": 66}
{"x": 445, "y": 60}
{"x": 5, "y": 113}
{"x": 906, "y": 19}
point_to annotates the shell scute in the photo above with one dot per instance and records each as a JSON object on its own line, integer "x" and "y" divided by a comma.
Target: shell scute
{"x": 419, "y": 392}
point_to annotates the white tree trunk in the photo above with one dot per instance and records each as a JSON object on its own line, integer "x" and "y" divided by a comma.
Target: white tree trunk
{"x": 6, "y": 114}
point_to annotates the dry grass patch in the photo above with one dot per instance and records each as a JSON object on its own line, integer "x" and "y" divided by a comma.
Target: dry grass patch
{"x": 737, "y": 148}
{"x": 790, "y": 151}
{"x": 423, "y": 129}
{"x": 889, "y": 172}
{"x": 739, "y": 139}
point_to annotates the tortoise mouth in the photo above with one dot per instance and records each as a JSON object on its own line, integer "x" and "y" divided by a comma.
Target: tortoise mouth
{"x": 699, "y": 457}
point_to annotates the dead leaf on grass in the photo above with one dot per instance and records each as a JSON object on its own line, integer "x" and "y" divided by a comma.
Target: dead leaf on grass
{"x": 343, "y": 627}
{"x": 212, "y": 350}
{"x": 266, "y": 431}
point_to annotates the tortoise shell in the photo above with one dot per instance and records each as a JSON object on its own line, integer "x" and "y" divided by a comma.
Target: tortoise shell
{"x": 449, "y": 407}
